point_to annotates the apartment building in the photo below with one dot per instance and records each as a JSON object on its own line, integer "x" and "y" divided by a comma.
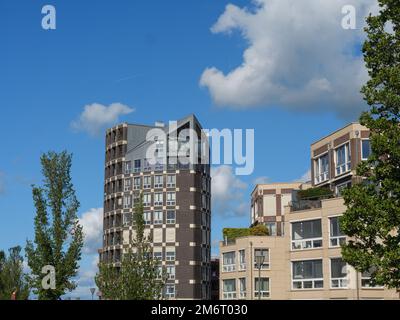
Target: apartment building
{"x": 268, "y": 202}
{"x": 334, "y": 158}
{"x": 176, "y": 199}
{"x": 304, "y": 261}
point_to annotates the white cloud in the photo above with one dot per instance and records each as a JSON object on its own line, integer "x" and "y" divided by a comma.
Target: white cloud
{"x": 306, "y": 177}
{"x": 92, "y": 223}
{"x": 228, "y": 192}
{"x": 261, "y": 180}
{"x": 96, "y": 117}
{"x": 298, "y": 57}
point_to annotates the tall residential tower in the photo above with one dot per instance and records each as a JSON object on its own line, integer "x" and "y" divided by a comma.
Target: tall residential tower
{"x": 176, "y": 198}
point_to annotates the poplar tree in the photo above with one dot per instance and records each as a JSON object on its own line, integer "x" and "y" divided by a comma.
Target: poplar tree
{"x": 139, "y": 276}
{"x": 372, "y": 218}
{"x": 58, "y": 235}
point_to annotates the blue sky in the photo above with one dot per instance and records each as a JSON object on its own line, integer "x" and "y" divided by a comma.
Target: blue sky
{"x": 152, "y": 56}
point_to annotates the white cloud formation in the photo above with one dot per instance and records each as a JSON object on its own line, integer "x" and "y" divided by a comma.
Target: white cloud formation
{"x": 306, "y": 177}
{"x": 261, "y": 180}
{"x": 92, "y": 223}
{"x": 228, "y": 192}
{"x": 96, "y": 117}
{"x": 298, "y": 57}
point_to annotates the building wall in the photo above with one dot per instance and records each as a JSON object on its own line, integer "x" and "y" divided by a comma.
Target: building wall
{"x": 282, "y": 255}
{"x": 268, "y": 202}
{"x": 188, "y": 236}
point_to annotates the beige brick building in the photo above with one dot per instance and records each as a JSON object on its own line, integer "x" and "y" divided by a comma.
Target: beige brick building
{"x": 302, "y": 256}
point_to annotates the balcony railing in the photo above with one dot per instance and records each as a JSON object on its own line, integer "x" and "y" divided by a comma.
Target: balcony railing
{"x": 229, "y": 295}
{"x": 305, "y": 205}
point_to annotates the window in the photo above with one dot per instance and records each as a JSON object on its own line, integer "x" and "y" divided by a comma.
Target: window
{"x": 158, "y": 181}
{"x": 170, "y": 291}
{"x": 265, "y": 254}
{"x": 147, "y": 182}
{"x": 242, "y": 260}
{"x": 366, "y": 280}
{"x": 136, "y": 183}
{"x": 341, "y": 187}
{"x": 322, "y": 168}
{"x": 127, "y": 219}
{"x": 365, "y": 149}
{"x": 171, "y": 219}
{"x": 343, "y": 159}
{"x": 171, "y": 198}
{"x": 158, "y": 199}
{"x": 306, "y": 235}
{"x": 171, "y": 272}
{"x": 307, "y": 275}
{"x": 127, "y": 202}
{"x": 147, "y": 165}
{"x": 336, "y": 236}
{"x": 261, "y": 287}
{"x": 158, "y": 217}
{"x": 229, "y": 289}
{"x": 137, "y": 166}
{"x": 242, "y": 288}
{"x": 338, "y": 273}
{"x": 171, "y": 181}
{"x": 159, "y": 270}
{"x": 170, "y": 255}
{"x": 128, "y": 167}
{"x": 147, "y": 217}
{"x": 271, "y": 227}
{"x": 147, "y": 199}
{"x": 229, "y": 262}
{"x": 128, "y": 185}
{"x": 158, "y": 255}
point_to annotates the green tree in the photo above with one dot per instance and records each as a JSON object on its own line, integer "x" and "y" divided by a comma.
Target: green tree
{"x": 58, "y": 235}
{"x": 12, "y": 276}
{"x": 138, "y": 277}
{"x": 372, "y": 218}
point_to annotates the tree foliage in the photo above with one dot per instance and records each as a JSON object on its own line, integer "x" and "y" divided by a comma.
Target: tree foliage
{"x": 58, "y": 235}
{"x": 373, "y": 215}
{"x": 138, "y": 277}
{"x": 12, "y": 276}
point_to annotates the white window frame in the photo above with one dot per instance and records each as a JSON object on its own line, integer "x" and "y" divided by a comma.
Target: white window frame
{"x": 156, "y": 219}
{"x": 171, "y": 276}
{"x": 304, "y": 242}
{"x": 170, "y": 295}
{"x": 128, "y": 167}
{"x": 169, "y": 221}
{"x": 342, "y": 282}
{"x": 264, "y": 294}
{"x": 137, "y": 186}
{"x": 145, "y": 215}
{"x": 146, "y": 186}
{"x": 158, "y": 185}
{"x": 337, "y": 238}
{"x": 312, "y": 280}
{"x": 157, "y": 255}
{"x": 242, "y": 293}
{"x": 170, "y": 257}
{"x": 158, "y": 202}
{"x": 265, "y": 265}
{"x": 127, "y": 202}
{"x": 229, "y": 267}
{"x": 347, "y": 155}
{"x": 228, "y": 295}
{"x": 319, "y": 175}
{"x": 127, "y": 186}
{"x": 137, "y": 169}
{"x": 242, "y": 264}
{"x": 146, "y": 203}
{"x": 171, "y": 185}
{"x": 362, "y": 148}
{"x": 171, "y": 202}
